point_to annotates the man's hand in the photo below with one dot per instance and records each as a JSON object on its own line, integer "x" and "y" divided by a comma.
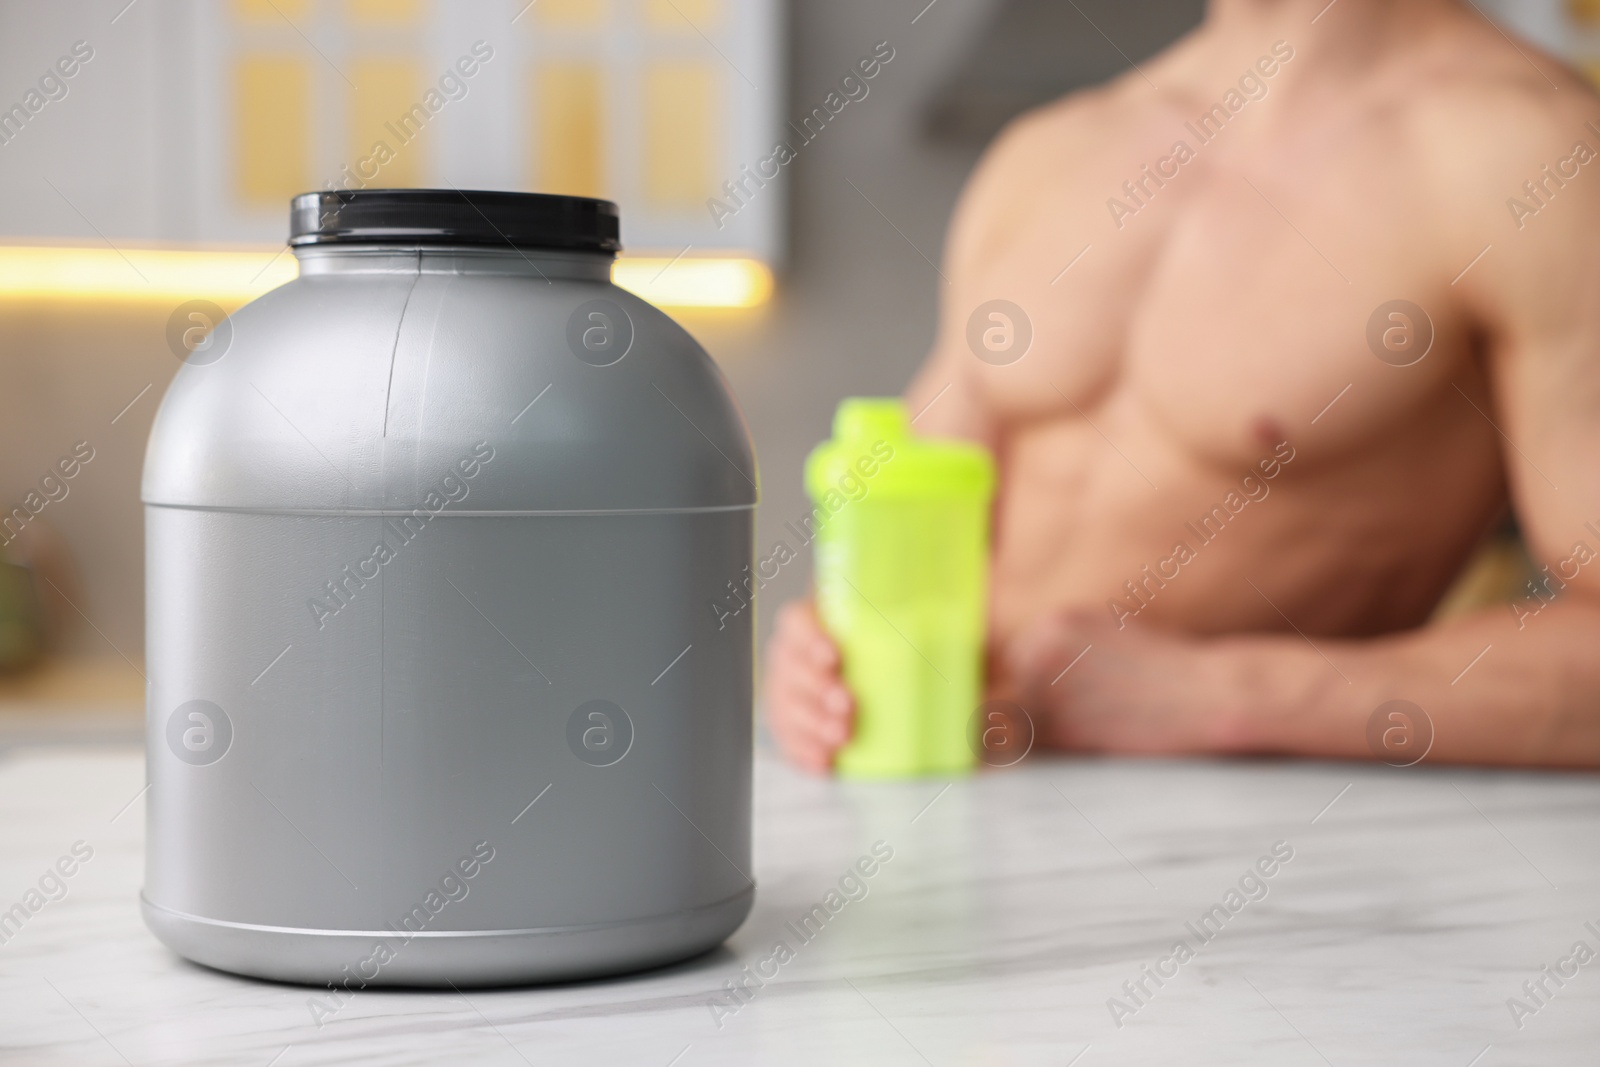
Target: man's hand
{"x": 808, "y": 706}
{"x": 1134, "y": 690}
{"x": 1091, "y": 687}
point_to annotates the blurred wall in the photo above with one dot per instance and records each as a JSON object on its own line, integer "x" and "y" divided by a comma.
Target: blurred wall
{"x": 215, "y": 112}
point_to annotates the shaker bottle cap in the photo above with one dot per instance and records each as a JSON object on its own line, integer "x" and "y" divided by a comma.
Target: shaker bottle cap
{"x": 870, "y": 418}
{"x": 918, "y": 466}
{"x": 454, "y": 217}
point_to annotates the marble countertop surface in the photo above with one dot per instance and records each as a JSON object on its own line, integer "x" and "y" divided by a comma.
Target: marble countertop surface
{"x": 1026, "y": 916}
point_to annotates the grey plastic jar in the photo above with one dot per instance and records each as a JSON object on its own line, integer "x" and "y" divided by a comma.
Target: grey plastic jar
{"x": 438, "y": 692}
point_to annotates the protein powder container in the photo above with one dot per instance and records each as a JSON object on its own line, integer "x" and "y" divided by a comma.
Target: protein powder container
{"x": 438, "y": 688}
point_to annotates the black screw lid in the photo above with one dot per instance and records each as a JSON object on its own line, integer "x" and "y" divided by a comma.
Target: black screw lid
{"x": 454, "y": 217}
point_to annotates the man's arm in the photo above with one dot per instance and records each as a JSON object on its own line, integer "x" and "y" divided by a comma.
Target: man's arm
{"x": 1532, "y": 693}
{"x": 1492, "y": 694}
{"x": 1534, "y": 696}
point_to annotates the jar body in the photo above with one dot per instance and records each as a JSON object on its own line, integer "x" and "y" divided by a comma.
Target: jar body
{"x": 440, "y": 696}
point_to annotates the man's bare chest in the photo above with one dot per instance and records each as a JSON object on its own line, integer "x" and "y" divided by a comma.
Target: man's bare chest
{"x": 1230, "y": 310}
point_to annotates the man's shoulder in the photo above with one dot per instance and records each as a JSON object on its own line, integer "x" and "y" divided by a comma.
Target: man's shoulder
{"x": 1087, "y": 119}
{"x": 1503, "y": 140}
{"x": 1043, "y": 155}
{"x": 1472, "y": 136}
{"x": 1031, "y": 162}
{"x": 1489, "y": 104}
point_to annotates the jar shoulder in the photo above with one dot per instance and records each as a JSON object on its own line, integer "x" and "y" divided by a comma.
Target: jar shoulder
{"x": 362, "y": 391}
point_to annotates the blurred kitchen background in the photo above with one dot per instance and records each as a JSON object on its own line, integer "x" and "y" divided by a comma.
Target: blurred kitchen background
{"x": 157, "y": 172}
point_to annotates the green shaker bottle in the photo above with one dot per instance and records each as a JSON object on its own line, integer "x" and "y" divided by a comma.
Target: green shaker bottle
{"x": 902, "y": 553}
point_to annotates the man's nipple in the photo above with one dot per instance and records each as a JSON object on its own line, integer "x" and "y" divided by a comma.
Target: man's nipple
{"x": 1268, "y": 431}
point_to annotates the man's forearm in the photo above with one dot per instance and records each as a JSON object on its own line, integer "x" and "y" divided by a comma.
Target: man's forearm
{"x": 1496, "y": 692}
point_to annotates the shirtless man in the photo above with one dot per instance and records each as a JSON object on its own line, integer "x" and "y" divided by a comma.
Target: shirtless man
{"x": 1228, "y": 312}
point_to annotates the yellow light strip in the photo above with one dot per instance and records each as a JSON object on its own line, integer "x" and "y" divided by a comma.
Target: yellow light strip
{"x": 231, "y": 278}
{"x": 695, "y": 282}
{"x": 164, "y": 274}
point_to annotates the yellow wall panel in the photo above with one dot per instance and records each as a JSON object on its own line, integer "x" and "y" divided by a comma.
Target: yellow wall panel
{"x": 271, "y": 129}
{"x": 572, "y": 12}
{"x": 682, "y": 113}
{"x": 271, "y": 10}
{"x": 569, "y": 138}
{"x": 671, "y": 14}
{"x": 384, "y": 12}
{"x": 381, "y": 110}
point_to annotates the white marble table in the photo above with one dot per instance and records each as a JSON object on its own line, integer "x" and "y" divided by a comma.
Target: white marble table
{"x": 1015, "y": 906}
